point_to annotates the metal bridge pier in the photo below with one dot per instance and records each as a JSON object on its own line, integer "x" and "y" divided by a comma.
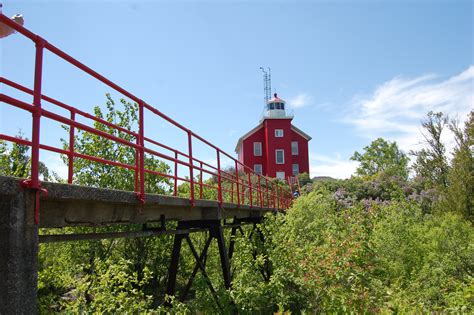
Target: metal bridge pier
{"x": 173, "y": 270}
{"x": 215, "y": 229}
{"x": 218, "y": 234}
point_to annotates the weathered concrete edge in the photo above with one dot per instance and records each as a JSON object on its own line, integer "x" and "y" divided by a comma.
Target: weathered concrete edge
{"x": 72, "y": 205}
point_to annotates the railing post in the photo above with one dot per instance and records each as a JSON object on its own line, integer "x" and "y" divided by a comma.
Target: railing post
{"x": 71, "y": 149}
{"x": 250, "y": 190}
{"x": 277, "y": 197}
{"x": 281, "y": 198}
{"x": 273, "y": 195}
{"x": 268, "y": 196}
{"x": 191, "y": 176}
{"x": 237, "y": 183}
{"x": 219, "y": 183}
{"x": 35, "y": 136}
{"x": 200, "y": 180}
{"x": 289, "y": 184}
{"x": 260, "y": 190}
{"x": 175, "y": 188}
{"x": 141, "y": 133}
{"x": 137, "y": 166}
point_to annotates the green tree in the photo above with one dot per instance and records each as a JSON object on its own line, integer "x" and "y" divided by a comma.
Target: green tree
{"x": 125, "y": 275}
{"x": 367, "y": 257}
{"x": 431, "y": 165}
{"x": 459, "y": 194}
{"x": 97, "y": 174}
{"x": 15, "y": 161}
{"x": 381, "y": 156}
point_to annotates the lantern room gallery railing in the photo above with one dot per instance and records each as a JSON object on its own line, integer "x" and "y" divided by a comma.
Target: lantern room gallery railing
{"x": 240, "y": 185}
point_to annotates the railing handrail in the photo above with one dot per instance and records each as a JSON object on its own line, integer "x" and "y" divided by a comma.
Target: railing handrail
{"x": 280, "y": 197}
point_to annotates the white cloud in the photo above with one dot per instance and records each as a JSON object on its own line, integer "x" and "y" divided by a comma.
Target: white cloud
{"x": 395, "y": 109}
{"x": 299, "y": 100}
{"x": 321, "y": 165}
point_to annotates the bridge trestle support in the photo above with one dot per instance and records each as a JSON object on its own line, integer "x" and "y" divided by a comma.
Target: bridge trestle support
{"x": 216, "y": 231}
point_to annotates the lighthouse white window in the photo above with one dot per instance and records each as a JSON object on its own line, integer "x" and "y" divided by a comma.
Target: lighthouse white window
{"x": 257, "y": 168}
{"x": 280, "y": 156}
{"x": 279, "y": 133}
{"x": 296, "y": 169}
{"x": 257, "y": 149}
{"x": 294, "y": 147}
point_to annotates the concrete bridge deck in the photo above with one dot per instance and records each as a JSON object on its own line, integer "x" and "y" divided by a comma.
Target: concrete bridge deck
{"x": 71, "y": 205}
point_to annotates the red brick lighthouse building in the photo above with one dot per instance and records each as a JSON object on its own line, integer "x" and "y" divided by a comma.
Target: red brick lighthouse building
{"x": 275, "y": 147}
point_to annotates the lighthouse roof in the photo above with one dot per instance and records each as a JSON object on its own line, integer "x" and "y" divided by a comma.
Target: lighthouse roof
{"x": 275, "y": 99}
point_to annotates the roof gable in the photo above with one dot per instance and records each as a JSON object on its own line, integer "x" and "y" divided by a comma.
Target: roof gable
{"x": 248, "y": 134}
{"x": 300, "y": 132}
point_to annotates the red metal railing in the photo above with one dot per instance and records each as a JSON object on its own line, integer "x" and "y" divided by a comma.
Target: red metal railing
{"x": 246, "y": 187}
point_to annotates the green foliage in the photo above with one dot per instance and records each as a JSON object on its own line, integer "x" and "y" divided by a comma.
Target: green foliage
{"x": 114, "y": 287}
{"x": 431, "y": 165}
{"x": 126, "y": 275}
{"x": 365, "y": 258}
{"x": 304, "y": 179}
{"x": 369, "y": 244}
{"x": 98, "y": 174}
{"x": 382, "y": 156}
{"x": 459, "y": 195}
{"x": 15, "y": 161}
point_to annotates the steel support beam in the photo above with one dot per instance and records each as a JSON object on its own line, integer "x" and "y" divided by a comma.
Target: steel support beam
{"x": 203, "y": 271}
{"x": 173, "y": 269}
{"x": 217, "y": 232}
{"x": 233, "y": 233}
{"x": 266, "y": 269}
{"x": 202, "y": 258}
{"x": 52, "y": 238}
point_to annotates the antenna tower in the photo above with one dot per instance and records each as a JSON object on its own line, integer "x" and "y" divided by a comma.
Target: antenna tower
{"x": 267, "y": 83}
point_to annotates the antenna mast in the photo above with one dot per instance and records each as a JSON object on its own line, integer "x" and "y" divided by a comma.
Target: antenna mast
{"x": 267, "y": 84}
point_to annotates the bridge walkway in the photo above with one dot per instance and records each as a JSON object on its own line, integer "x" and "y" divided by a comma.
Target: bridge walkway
{"x": 28, "y": 204}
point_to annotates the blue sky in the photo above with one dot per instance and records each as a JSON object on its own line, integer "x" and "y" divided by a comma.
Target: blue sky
{"x": 352, "y": 71}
